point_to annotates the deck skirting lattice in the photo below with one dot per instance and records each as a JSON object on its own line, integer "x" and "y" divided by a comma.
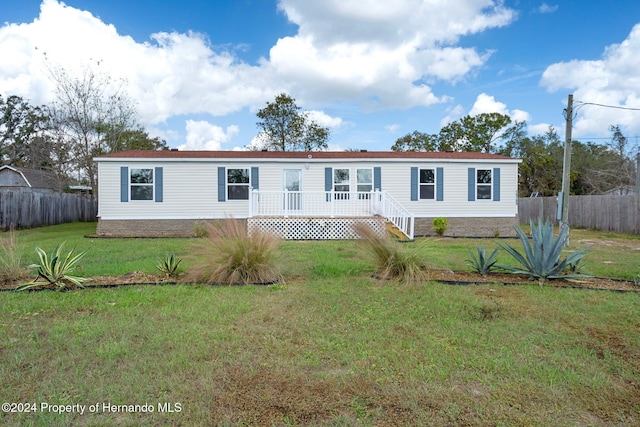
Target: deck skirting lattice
{"x": 314, "y": 228}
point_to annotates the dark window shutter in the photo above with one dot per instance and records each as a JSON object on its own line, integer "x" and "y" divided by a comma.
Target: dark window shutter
{"x": 377, "y": 178}
{"x": 255, "y": 179}
{"x": 471, "y": 182}
{"x": 158, "y": 184}
{"x": 414, "y": 184}
{"x": 439, "y": 184}
{"x": 496, "y": 184}
{"x": 222, "y": 184}
{"x": 124, "y": 184}
{"x": 328, "y": 181}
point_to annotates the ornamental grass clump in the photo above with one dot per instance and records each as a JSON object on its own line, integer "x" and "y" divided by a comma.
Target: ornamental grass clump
{"x": 230, "y": 255}
{"x": 541, "y": 258}
{"x": 11, "y": 267}
{"x": 56, "y": 270}
{"x": 392, "y": 261}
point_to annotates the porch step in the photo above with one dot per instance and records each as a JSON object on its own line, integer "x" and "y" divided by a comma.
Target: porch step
{"x": 395, "y": 231}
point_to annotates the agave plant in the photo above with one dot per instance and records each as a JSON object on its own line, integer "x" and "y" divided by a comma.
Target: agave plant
{"x": 480, "y": 262}
{"x": 169, "y": 265}
{"x": 56, "y": 269}
{"x": 542, "y": 255}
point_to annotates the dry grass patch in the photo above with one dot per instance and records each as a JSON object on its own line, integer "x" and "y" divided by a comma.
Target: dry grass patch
{"x": 230, "y": 255}
{"x": 392, "y": 261}
{"x": 11, "y": 268}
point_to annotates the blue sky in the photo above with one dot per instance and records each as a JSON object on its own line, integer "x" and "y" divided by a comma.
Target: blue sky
{"x": 370, "y": 70}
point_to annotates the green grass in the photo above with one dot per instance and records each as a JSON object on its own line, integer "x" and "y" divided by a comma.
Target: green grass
{"x": 329, "y": 346}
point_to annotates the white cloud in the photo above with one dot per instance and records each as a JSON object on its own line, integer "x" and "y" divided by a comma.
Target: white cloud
{"x": 380, "y": 52}
{"x": 612, "y": 80}
{"x": 372, "y": 53}
{"x": 202, "y": 135}
{"x": 453, "y": 114}
{"x": 325, "y": 120}
{"x": 392, "y": 128}
{"x": 488, "y": 104}
{"x": 173, "y": 74}
{"x": 546, "y": 8}
{"x": 542, "y": 128}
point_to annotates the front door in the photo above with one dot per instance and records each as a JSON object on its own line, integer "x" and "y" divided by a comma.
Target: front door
{"x": 292, "y": 184}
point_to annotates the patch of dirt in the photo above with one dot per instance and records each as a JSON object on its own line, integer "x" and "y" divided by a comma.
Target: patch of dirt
{"x": 466, "y": 278}
{"x": 443, "y": 276}
{"x": 267, "y": 395}
{"x": 132, "y": 278}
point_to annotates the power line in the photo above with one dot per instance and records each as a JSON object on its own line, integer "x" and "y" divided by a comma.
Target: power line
{"x": 580, "y": 104}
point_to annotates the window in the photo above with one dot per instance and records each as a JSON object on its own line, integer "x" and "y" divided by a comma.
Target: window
{"x": 238, "y": 184}
{"x": 483, "y": 184}
{"x": 427, "y": 184}
{"x": 341, "y": 184}
{"x": 141, "y": 184}
{"x": 364, "y": 183}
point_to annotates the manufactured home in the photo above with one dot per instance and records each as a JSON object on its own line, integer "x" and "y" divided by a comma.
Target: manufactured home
{"x": 307, "y": 195}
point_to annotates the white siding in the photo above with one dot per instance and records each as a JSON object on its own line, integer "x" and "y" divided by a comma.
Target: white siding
{"x": 190, "y": 188}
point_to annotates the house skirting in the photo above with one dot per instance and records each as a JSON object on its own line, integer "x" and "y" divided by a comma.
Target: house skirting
{"x": 470, "y": 227}
{"x": 305, "y": 228}
{"x": 285, "y": 228}
{"x": 152, "y": 227}
{"x": 301, "y": 228}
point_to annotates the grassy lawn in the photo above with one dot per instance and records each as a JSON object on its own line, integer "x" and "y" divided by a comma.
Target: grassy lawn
{"x": 330, "y": 346}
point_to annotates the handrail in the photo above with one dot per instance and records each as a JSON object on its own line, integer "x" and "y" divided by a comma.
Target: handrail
{"x": 395, "y": 212}
{"x": 331, "y": 204}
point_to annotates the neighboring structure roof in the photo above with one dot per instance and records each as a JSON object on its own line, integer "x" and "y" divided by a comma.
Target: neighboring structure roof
{"x": 33, "y": 178}
{"x": 293, "y": 155}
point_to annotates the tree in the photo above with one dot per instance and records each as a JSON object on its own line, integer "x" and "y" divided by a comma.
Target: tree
{"x": 91, "y": 112}
{"x": 416, "y": 141}
{"x": 600, "y": 168}
{"x": 21, "y": 132}
{"x": 541, "y": 168}
{"x": 470, "y": 133}
{"x": 475, "y": 133}
{"x": 284, "y": 127}
{"x": 137, "y": 139}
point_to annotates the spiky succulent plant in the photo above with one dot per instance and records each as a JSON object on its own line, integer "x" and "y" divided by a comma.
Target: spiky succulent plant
{"x": 541, "y": 258}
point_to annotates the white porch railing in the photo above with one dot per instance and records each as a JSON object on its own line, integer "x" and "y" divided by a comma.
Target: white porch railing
{"x": 330, "y": 204}
{"x": 388, "y": 207}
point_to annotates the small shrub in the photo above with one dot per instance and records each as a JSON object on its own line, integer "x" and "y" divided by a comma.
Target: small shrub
{"x": 11, "y": 267}
{"x": 168, "y": 265}
{"x": 480, "y": 262}
{"x": 392, "y": 261}
{"x": 229, "y": 255}
{"x": 56, "y": 269}
{"x": 440, "y": 225}
{"x": 200, "y": 229}
{"x": 541, "y": 258}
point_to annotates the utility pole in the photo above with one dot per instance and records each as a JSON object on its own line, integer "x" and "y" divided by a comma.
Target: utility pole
{"x": 638, "y": 173}
{"x": 566, "y": 166}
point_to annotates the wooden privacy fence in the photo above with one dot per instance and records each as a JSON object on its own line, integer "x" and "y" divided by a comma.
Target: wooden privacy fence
{"x": 26, "y": 208}
{"x": 607, "y": 213}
